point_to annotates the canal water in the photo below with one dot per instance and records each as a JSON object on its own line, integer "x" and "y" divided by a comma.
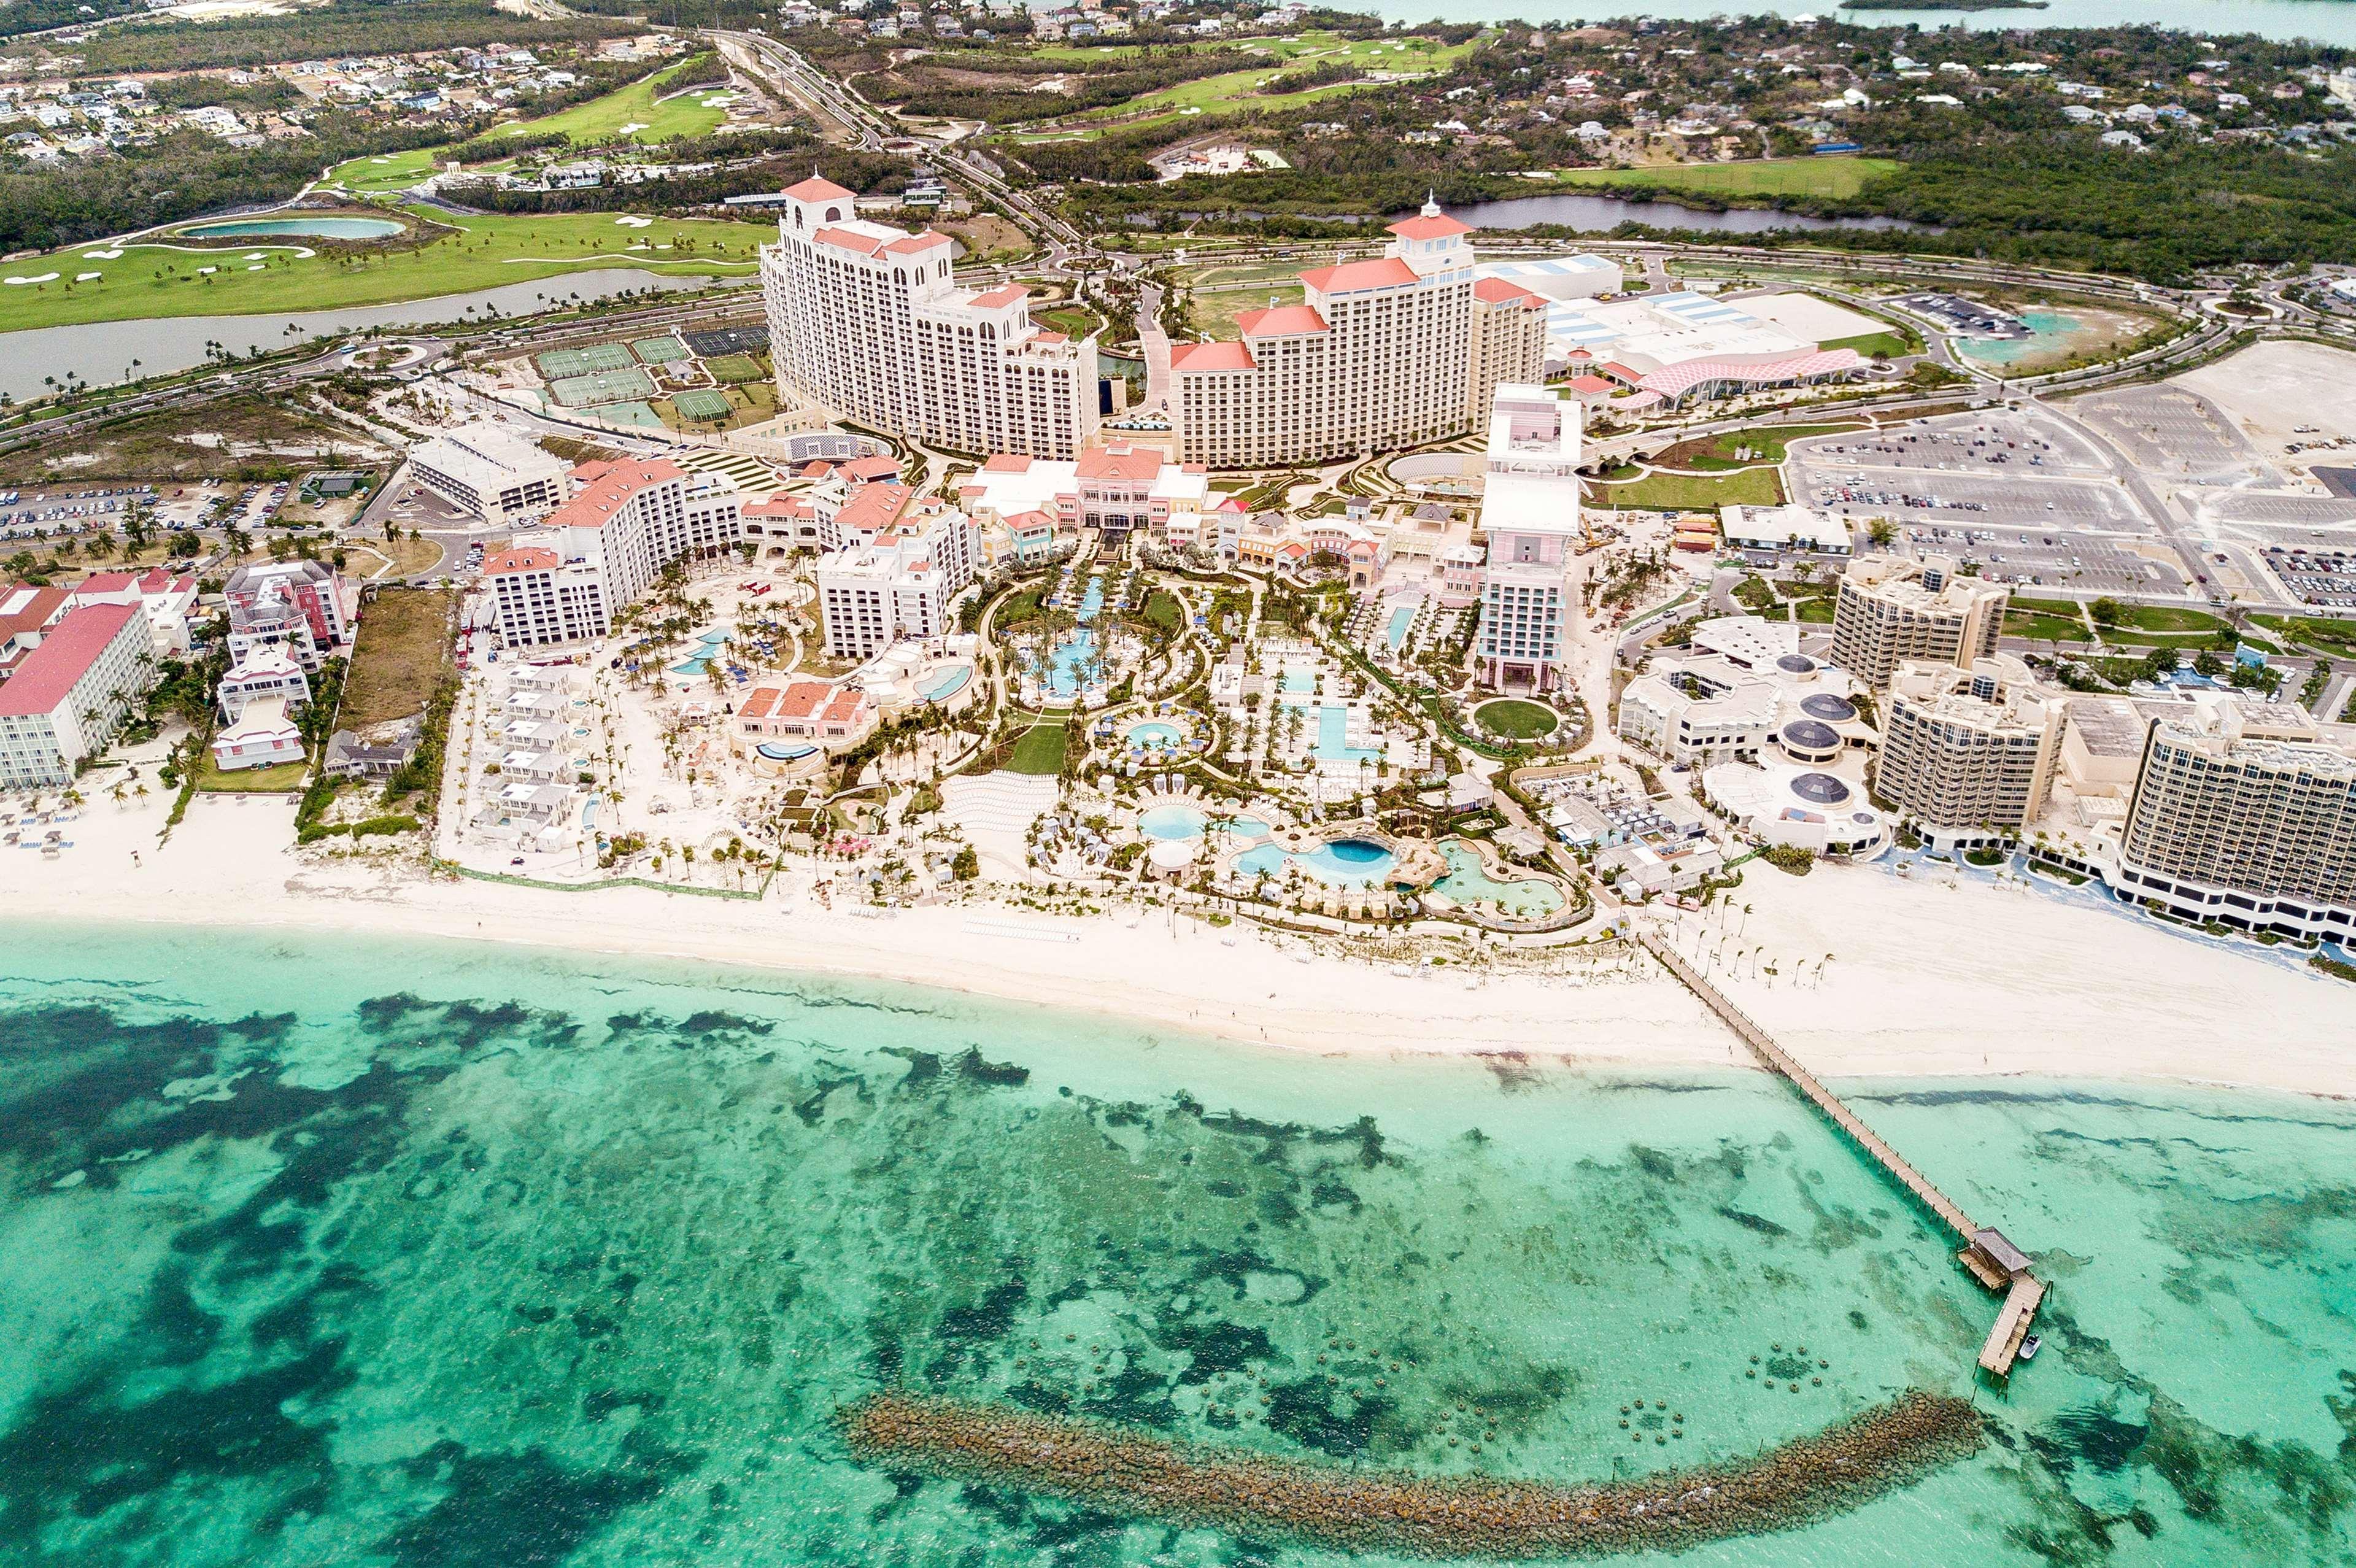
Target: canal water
{"x": 1601, "y": 214}
{"x": 101, "y": 351}
{"x": 2323, "y": 21}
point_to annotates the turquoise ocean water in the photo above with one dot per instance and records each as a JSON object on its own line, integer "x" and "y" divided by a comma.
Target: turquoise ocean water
{"x": 325, "y": 1250}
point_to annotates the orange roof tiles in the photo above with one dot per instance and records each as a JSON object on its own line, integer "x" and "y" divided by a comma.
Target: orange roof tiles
{"x": 1438, "y": 227}
{"x": 873, "y": 508}
{"x": 47, "y": 673}
{"x": 1497, "y": 291}
{"x": 1386, "y": 272}
{"x": 604, "y": 487}
{"x": 849, "y": 240}
{"x": 1122, "y": 461}
{"x": 1008, "y": 463}
{"x": 531, "y": 558}
{"x": 1280, "y": 321}
{"x": 910, "y": 244}
{"x": 1003, "y": 295}
{"x": 1216, "y": 356}
{"x": 816, "y": 190}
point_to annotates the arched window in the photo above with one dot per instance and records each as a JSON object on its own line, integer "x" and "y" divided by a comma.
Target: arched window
{"x": 834, "y": 214}
{"x": 899, "y": 275}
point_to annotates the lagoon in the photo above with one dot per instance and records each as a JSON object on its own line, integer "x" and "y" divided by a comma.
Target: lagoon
{"x": 101, "y": 351}
{"x": 319, "y": 1250}
{"x": 1601, "y": 214}
{"x": 2323, "y": 21}
{"x": 309, "y": 228}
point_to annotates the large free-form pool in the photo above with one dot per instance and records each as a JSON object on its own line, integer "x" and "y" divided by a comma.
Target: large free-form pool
{"x": 304, "y": 227}
{"x": 1339, "y": 862}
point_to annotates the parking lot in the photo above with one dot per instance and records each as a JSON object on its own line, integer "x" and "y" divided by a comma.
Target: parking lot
{"x": 2176, "y": 434}
{"x": 2317, "y": 577}
{"x": 36, "y": 512}
{"x": 2087, "y": 563}
{"x": 2003, "y": 441}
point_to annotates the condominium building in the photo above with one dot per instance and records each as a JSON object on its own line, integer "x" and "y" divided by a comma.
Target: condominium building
{"x": 867, "y": 321}
{"x": 302, "y": 607}
{"x": 2245, "y": 814}
{"x": 1508, "y": 343}
{"x": 625, "y": 523}
{"x": 490, "y": 471}
{"x": 1381, "y": 354}
{"x": 898, "y": 587}
{"x": 70, "y": 695}
{"x": 1892, "y": 610}
{"x": 1967, "y": 756}
{"x": 1116, "y": 488}
{"x": 163, "y": 597}
{"x": 1529, "y": 510}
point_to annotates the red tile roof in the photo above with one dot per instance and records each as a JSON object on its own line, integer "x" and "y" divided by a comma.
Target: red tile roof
{"x": 1119, "y": 461}
{"x": 104, "y": 583}
{"x": 868, "y": 469}
{"x": 780, "y": 506}
{"x": 873, "y": 508}
{"x": 1220, "y": 356}
{"x": 804, "y": 700}
{"x": 1003, "y": 295}
{"x": 1280, "y": 321}
{"x": 1588, "y": 386}
{"x": 604, "y": 487}
{"x": 1438, "y": 227}
{"x": 531, "y": 558}
{"x": 49, "y": 671}
{"x": 816, "y": 190}
{"x": 1386, "y": 272}
{"x": 849, "y": 240}
{"x": 913, "y": 244}
{"x": 1497, "y": 291}
{"x": 1008, "y": 463}
{"x": 24, "y": 609}
{"x": 1035, "y": 518}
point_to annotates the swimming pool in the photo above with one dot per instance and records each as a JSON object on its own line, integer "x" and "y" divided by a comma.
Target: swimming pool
{"x": 1298, "y": 682}
{"x": 1468, "y": 882}
{"x": 1063, "y": 678}
{"x": 1339, "y": 863}
{"x": 1092, "y": 600}
{"x": 1155, "y": 733}
{"x": 783, "y": 751}
{"x": 1334, "y": 739}
{"x": 1402, "y": 618}
{"x": 942, "y": 684}
{"x": 309, "y": 228}
{"x": 707, "y": 647}
{"x": 1171, "y": 822}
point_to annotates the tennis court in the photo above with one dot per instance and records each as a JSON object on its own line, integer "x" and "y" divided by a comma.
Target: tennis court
{"x": 702, "y": 405}
{"x": 734, "y": 368}
{"x": 558, "y": 364}
{"x": 715, "y": 340}
{"x": 659, "y": 350}
{"x": 602, "y": 386}
{"x": 634, "y": 414}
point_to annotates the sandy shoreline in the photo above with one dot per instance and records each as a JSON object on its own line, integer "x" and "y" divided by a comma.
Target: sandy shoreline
{"x": 1924, "y": 981}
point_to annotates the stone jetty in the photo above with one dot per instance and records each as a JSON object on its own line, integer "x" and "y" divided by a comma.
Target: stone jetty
{"x": 1138, "y": 1474}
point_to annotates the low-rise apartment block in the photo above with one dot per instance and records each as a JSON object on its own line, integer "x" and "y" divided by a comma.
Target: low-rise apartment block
{"x": 500, "y": 476}
{"x": 300, "y": 607}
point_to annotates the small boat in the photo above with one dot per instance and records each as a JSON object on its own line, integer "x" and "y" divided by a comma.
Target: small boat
{"x": 2029, "y": 1348}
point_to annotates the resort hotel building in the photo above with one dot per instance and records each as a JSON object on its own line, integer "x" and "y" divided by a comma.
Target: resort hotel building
{"x": 300, "y": 607}
{"x": 898, "y": 585}
{"x": 69, "y": 697}
{"x": 867, "y": 321}
{"x": 488, "y": 470}
{"x": 1382, "y": 354}
{"x": 2245, "y": 814}
{"x": 1968, "y": 756}
{"x": 1892, "y": 610}
{"x": 623, "y": 523}
{"x": 1529, "y": 510}
{"x": 1743, "y": 691}
{"x": 1117, "y": 490}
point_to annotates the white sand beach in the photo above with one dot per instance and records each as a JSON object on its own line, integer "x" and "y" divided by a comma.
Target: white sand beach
{"x": 1924, "y": 979}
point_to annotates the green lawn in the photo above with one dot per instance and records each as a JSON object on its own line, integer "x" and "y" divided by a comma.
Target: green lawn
{"x": 1162, "y": 608}
{"x": 633, "y": 113}
{"x": 1694, "y": 492}
{"x": 1215, "y": 313}
{"x": 1754, "y": 177}
{"x": 1516, "y": 719}
{"x": 485, "y": 251}
{"x": 2334, "y": 638}
{"x": 2043, "y": 627}
{"x": 1766, "y": 444}
{"x": 1871, "y": 343}
{"x": 1041, "y": 749}
{"x": 2163, "y": 617}
{"x": 382, "y": 173}
{"x": 283, "y": 779}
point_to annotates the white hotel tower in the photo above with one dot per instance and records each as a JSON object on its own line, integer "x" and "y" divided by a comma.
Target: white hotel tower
{"x": 867, "y": 321}
{"x": 1386, "y": 353}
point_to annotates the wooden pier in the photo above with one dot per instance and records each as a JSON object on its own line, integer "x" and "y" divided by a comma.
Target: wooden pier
{"x": 1989, "y": 1257}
